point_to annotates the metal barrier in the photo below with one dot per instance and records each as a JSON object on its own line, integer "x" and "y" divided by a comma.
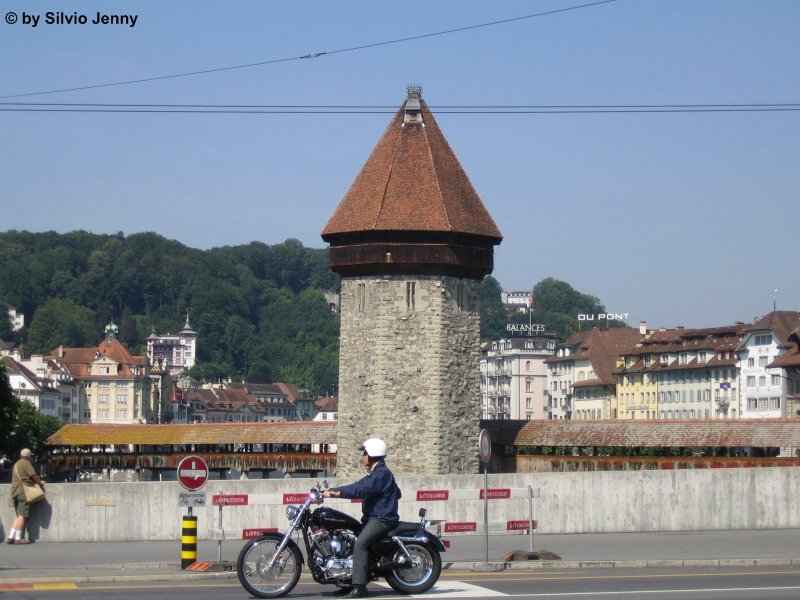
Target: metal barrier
{"x": 520, "y": 526}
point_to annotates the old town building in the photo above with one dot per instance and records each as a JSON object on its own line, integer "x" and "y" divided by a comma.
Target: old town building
{"x": 765, "y": 386}
{"x": 580, "y": 379}
{"x": 514, "y": 377}
{"x": 114, "y": 385}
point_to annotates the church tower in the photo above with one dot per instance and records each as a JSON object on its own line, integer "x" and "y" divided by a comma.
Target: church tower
{"x": 411, "y": 241}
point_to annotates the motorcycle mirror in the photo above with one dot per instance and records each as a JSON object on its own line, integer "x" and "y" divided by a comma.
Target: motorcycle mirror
{"x": 422, "y": 513}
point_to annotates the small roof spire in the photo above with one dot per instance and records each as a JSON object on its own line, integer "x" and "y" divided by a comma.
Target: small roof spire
{"x": 413, "y": 107}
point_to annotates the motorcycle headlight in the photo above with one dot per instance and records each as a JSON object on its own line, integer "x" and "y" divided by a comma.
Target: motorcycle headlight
{"x": 291, "y": 512}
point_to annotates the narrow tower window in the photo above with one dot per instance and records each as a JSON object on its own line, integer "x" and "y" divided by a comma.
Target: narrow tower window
{"x": 411, "y": 292}
{"x": 361, "y": 296}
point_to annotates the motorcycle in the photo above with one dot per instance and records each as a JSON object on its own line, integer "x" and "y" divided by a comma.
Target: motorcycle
{"x": 408, "y": 557}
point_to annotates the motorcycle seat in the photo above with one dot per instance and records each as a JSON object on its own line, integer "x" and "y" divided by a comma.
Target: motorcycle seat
{"x": 404, "y": 528}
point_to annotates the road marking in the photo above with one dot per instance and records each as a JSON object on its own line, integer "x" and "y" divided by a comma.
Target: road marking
{"x": 664, "y": 592}
{"x": 455, "y": 589}
{"x": 13, "y": 587}
{"x": 55, "y": 586}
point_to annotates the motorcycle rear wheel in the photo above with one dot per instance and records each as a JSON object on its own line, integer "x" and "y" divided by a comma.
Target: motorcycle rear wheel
{"x": 421, "y": 576}
{"x": 258, "y": 578}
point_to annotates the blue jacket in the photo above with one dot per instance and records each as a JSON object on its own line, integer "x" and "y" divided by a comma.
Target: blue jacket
{"x": 379, "y": 492}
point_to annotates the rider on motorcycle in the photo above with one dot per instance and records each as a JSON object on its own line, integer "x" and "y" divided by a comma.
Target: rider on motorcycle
{"x": 379, "y": 509}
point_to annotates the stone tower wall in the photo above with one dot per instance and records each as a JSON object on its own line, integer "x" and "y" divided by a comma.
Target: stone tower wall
{"x": 409, "y": 372}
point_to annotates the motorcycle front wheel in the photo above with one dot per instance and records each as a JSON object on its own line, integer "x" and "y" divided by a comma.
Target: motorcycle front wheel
{"x": 265, "y": 581}
{"x": 421, "y": 575}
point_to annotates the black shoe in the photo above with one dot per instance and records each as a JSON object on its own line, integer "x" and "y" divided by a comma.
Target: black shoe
{"x": 10, "y": 541}
{"x": 358, "y": 591}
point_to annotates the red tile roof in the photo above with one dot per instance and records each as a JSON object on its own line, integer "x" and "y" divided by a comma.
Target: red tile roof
{"x": 779, "y": 322}
{"x": 412, "y": 181}
{"x": 79, "y": 360}
{"x": 720, "y": 433}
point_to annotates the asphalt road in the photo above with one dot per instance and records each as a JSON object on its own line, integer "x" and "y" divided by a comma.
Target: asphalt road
{"x": 765, "y": 583}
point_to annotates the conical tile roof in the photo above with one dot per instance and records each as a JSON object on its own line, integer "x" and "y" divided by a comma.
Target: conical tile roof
{"x": 412, "y": 182}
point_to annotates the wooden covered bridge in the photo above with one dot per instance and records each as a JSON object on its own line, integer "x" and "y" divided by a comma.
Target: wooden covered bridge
{"x": 308, "y": 448}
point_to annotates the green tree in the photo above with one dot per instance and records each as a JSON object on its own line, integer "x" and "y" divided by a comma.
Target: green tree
{"x": 494, "y": 315}
{"x": 9, "y": 407}
{"x": 62, "y": 322}
{"x": 32, "y": 428}
{"x": 6, "y": 333}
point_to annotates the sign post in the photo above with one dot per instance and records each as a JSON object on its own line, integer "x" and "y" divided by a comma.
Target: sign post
{"x": 485, "y": 455}
{"x": 192, "y": 475}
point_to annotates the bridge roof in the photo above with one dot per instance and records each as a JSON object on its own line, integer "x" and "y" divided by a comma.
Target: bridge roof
{"x": 718, "y": 433}
{"x": 292, "y": 432}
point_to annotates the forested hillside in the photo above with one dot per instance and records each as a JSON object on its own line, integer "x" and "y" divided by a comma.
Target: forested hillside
{"x": 259, "y": 310}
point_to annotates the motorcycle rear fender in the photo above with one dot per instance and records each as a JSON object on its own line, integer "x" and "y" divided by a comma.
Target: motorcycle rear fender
{"x": 426, "y": 538}
{"x": 278, "y": 537}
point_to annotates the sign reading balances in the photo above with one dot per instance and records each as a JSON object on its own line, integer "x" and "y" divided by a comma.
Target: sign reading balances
{"x": 522, "y": 328}
{"x": 192, "y": 473}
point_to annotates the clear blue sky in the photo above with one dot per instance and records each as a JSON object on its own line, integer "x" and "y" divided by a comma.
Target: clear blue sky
{"x": 677, "y": 219}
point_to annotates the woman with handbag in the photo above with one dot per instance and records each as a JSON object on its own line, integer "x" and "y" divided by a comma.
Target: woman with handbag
{"x": 26, "y": 487}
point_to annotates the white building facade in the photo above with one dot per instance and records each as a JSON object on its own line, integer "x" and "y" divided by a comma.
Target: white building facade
{"x": 173, "y": 353}
{"x": 514, "y": 377}
{"x": 764, "y": 390}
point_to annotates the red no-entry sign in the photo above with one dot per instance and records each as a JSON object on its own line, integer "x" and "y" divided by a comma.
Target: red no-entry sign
{"x": 192, "y": 472}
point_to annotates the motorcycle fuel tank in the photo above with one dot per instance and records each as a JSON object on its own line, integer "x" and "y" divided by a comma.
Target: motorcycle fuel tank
{"x": 330, "y": 518}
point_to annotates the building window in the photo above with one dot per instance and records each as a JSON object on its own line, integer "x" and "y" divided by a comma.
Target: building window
{"x": 411, "y": 291}
{"x": 762, "y": 340}
{"x": 528, "y": 365}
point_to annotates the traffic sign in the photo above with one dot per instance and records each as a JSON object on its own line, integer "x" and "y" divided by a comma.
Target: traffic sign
{"x": 191, "y": 499}
{"x": 485, "y": 446}
{"x": 192, "y": 473}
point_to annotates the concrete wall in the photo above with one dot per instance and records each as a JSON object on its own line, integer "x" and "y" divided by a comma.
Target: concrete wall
{"x": 618, "y": 501}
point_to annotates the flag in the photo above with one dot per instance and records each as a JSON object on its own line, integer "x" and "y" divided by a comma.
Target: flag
{"x": 531, "y": 301}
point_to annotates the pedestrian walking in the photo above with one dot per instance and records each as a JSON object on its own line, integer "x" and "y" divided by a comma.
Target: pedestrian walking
{"x": 22, "y": 474}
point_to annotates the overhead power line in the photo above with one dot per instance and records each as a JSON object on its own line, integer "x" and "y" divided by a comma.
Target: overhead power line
{"x": 380, "y": 109}
{"x": 310, "y": 55}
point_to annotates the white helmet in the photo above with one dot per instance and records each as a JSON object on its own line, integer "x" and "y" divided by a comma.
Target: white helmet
{"x": 375, "y": 448}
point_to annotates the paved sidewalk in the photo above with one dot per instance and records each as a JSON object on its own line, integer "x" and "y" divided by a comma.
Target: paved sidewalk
{"x": 120, "y": 561}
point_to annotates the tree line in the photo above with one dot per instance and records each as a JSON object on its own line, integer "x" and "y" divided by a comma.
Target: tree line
{"x": 259, "y": 310}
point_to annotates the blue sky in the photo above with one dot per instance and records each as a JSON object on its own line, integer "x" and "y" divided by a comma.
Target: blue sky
{"x": 683, "y": 218}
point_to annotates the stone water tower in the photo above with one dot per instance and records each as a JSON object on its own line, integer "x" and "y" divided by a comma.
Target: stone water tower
{"x": 411, "y": 241}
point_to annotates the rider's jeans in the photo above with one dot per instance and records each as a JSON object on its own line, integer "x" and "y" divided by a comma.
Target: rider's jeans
{"x": 372, "y": 531}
